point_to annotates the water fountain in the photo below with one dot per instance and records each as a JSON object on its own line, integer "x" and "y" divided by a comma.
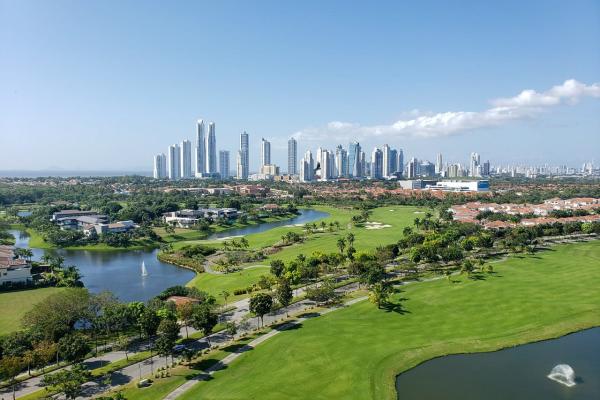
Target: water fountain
{"x": 144, "y": 270}
{"x": 563, "y": 374}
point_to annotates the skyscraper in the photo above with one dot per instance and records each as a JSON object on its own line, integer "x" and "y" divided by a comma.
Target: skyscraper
{"x": 439, "y": 165}
{"x": 327, "y": 164}
{"x": 265, "y": 152}
{"x": 200, "y": 159}
{"x": 362, "y": 164}
{"x": 393, "y": 161}
{"x": 211, "y": 150}
{"x": 307, "y": 167}
{"x": 413, "y": 168}
{"x": 292, "y": 157}
{"x": 376, "y": 164}
{"x": 224, "y": 164}
{"x": 243, "y": 157}
{"x": 475, "y": 160}
{"x": 341, "y": 162}
{"x": 173, "y": 167}
{"x": 185, "y": 159}
{"x": 401, "y": 161}
{"x": 485, "y": 170}
{"x": 354, "y": 165}
{"x": 160, "y": 166}
{"x": 386, "y": 161}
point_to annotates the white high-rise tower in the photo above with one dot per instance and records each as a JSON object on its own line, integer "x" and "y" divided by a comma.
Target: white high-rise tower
{"x": 160, "y": 166}
{"x": 185, "y": 159}
{"x": 173, "y": 163}
{"x": 292, "y": 157}
{"x": 243, "y": 161}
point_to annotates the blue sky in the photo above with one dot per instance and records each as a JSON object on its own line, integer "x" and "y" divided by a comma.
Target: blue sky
{"x": 105, "y": 85}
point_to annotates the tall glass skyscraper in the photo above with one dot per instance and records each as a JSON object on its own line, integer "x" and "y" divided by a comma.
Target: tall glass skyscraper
{"x": 292, "y": 157}
{"x": 243, "y": 157}
{"x": 224, "y": 164}
{"x": 211, "y": 150}
{"x": 354, "y": 167}
{"x": 173, "y": 168}
{"x": 200, "y": 162}
{"x": 376, "y": 164}
{"x": 186, "y": 159}
{"x": 265, "y": 152}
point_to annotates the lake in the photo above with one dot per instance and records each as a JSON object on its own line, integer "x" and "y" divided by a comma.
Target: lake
{"x": 120, "y": 271}
{"x": 514, "y": 373}
{"x": 304, "y": 217}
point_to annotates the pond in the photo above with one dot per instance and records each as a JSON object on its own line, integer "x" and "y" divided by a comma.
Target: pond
{"x": 515, "y": 373}
{"x": 118, "y": 271}
{"x": 306, "y": 215}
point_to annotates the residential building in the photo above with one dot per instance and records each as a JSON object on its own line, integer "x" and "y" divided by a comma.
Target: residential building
{"x": 173, "y": 163}
{"x": 160, "y": 166}
{"x": 189, "y": 218}
{"x": 413, "y": 168}
{"x": 341, "y": 162}
{"x": 211, "y": 150}
{"x": 393, "y": 167}
{"x": 243, "y": 157}
{"x": 474, "y": 163}
{"x": 307, "y": 167}
{"x": 185, "y": 159}
{"x": 13, "y": 270}
{"x": 200, "y": 159}
{"x": 439, "y": 166}
{"x": 354, "y": 162}
{"x": 385, "y": 167}
{"x": 269, "y": 170}
{"x": 292, "y": 157}
{"x": 265, "y": 152}
{"x": 376, "y": 164}
{"x": 401, "y": 161}
{"x": 224, "y": 164}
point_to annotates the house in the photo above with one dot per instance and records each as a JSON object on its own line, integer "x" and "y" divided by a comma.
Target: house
{"x": 116, "y": 227}
{"x": 188, "y": 218}
{"x": 13, "y": 270}
{"x": 71, "y": 214}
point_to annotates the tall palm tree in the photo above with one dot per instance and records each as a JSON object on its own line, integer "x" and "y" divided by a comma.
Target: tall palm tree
{"x": 350, "y": 239}
{"x": 341, "y": 244}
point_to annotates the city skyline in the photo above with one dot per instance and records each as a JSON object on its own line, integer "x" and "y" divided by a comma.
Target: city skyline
{"x": 420, "y": 88}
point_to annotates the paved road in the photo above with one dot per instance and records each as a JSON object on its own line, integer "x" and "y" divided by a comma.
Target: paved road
{"x": 238, "y": 314}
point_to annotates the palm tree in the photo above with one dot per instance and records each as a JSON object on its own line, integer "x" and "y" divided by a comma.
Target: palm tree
{"x": 417, "y": 222}
{"x": 341, "y": 244}
{"x": 407, "y": 230}
{"x": 350, "y": 239}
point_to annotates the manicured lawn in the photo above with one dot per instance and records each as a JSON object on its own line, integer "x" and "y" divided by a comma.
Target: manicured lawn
{"x": 13, "y": 305}
{"x": 355, "y": 353}
{"x": 215, "y": 284}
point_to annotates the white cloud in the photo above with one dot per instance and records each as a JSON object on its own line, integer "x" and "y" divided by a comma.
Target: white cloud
{"x": 526, "y": 104}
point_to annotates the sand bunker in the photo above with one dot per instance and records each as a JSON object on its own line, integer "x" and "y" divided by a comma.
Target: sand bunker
{"x": 376, "y": 225}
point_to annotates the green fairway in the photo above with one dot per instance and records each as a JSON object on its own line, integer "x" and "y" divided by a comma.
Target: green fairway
{"x": 355, "y": 353}
{"x": 215, "y": 284}
{"x": 13, "y": 305}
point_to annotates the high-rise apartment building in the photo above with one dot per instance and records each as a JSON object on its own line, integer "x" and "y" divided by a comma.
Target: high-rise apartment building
{"x": 485, "y": 169}
{"x": 265, "y": 152}
{"x": 401, "y": 161}
{"x": 307, "y": 167}
{"x": 200, "y": 153}
{"x": 386, "y": 161}
{"x": 376, "y": 164}
{"x": 211, "y": 150}
{"x": 185, "y": 159}
{"x": 354, "y": 164}
{"x": 173, "y": 162}
{"x": 292, "y": 157}
{"x": 475, "y": 161}
{"x": 413, "y": 168}
{"x": 393, "y": 161}
{"x": 439, "y": 165}
{"x": 341, "y": 162}
{"x": 243, "y": 157}
{"x": 160, "y": 166}
{"x": 224, "y": 164}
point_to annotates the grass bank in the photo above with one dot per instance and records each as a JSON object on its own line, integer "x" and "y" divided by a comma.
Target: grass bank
{"x": 14, "y": 305}
{"x": 356, "y": 353}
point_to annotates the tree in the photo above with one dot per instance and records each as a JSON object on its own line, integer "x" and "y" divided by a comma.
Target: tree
{"x": 67, "y": 381}
{"x": 379, "y": 293}
{"x": 341, "y": 244}
{"x": 261, "y": 304}
{"x": 122, "y": 343}
{"x": 225, "y": 295}
{"x": 277, "y": 268}
{"x": 350, "y": 238}
{"x": 73, "y": 347}
{"x": 324, "y": 293}
{"x": 168, "y": 333}
{"x": 467, "y": 267}
{"x": 184, "y": 313}
{"x": 231, "y": 328}
{"x": 204, "y": 319}
{"x": 284, "y": 293}
{"x": 10, "y": 367}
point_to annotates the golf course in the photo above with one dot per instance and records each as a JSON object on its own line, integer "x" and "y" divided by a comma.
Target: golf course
{"x": 356, "y": 352}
